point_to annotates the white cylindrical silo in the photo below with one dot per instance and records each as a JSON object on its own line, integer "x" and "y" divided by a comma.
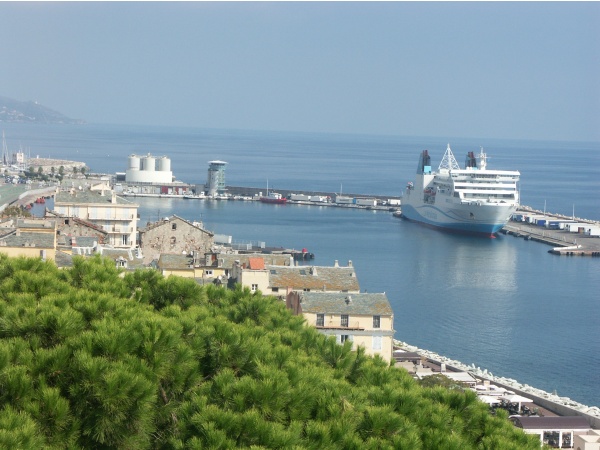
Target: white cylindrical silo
{"x": 134, "y": 162}
{"x": 164, "y": 164}
{"x": 149, "y": 163}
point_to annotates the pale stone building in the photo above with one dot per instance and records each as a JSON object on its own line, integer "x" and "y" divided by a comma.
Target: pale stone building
{"x": 367, "y": 320}
{"x": 34, "y": 238}
{"x": 279, "y": 280}
{"x": 114, "y": 215}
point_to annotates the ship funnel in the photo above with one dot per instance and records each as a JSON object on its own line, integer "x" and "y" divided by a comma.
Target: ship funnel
{"x": 424, "y": 163}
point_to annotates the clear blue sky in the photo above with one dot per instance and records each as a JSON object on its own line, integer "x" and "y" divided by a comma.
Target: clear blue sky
{"x": 492, "y": 70}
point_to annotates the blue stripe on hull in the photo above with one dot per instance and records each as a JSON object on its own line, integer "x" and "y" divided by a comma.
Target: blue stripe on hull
{"x": 478, "y": 228}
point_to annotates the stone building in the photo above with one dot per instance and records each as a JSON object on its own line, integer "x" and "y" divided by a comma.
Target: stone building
{"x": 366, "y": 320}
{"x": 279, "y": 280}
{"x": 175, "y": 235}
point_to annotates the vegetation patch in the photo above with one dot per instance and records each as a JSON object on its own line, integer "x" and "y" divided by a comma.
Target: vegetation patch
{"x": 92, "y": 358}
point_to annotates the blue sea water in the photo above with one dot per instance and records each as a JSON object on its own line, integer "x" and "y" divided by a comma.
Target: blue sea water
{"x": 504, "y": 304}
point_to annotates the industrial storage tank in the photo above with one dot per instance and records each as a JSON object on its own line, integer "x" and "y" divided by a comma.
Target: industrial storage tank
{"x": 134, "y": 162}
{"x": 149, "y": 163}
{"x": 164, "y": 164}
{"x": 142, "y": 169}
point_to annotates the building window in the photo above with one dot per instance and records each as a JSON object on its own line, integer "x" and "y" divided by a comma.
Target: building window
{"x": 254, "y": 287}
{"x": 173, "y": 226}
{"x": 125, "y": 239}
{"x": 376, "y": 321}
{"x": 376, "y": 342}
{"x": 173, "y": 240}
{"x": 275, "y": 289}
{"x": 344, "y": 338}
{"x": 320, "y": 320}
{"x": 344, "y": 320}
{"x": 208, "y": 273}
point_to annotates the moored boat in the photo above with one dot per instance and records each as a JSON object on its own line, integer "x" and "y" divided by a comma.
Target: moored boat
{"x": 274, "y": 197}
{"x": 473, "y": 200}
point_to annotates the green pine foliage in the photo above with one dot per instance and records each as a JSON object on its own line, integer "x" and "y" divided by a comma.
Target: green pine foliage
{"x": 94, "y": 358}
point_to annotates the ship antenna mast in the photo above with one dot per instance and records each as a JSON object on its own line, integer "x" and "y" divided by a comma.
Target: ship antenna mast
{"x": 448, "y": 161}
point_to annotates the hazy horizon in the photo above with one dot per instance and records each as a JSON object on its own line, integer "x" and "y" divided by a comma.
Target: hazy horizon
{"x": 505, "y": 70}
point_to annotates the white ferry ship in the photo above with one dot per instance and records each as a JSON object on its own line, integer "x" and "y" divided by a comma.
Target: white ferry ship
{"x": 473, "y": 200}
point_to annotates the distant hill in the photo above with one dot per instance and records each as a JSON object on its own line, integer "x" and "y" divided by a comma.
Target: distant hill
{"x": 15, "y": 111}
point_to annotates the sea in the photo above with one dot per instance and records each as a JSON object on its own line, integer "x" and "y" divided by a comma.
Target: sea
{"x": 502, "y": 304}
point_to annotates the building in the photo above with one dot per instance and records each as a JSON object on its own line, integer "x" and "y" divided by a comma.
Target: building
{"x": 68, "y": 228}
{"x": 235, "y": 265}
{"x": 188, "y": 266}
{"x": 554, "y": 431}
{"x": 215, "y": 185}
{"x": 587, "y": 441}
{"x": 33, "y": 238}
{"x": 102, "y": 207}
{"x": 284, "y": 279}
{"x": 174, "y": 235}
{"x": 149, "y": 169}
{"x": 367, "y": 320}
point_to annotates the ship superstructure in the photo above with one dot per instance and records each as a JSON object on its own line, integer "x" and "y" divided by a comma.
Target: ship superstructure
{"x": 472, "y": 200}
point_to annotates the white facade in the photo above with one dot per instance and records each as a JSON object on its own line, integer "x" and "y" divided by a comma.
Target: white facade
{"x": 143, "y": 169}
{"x": 115, "y": 215}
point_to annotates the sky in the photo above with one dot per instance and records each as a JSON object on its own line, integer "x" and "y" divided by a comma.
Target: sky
{"x": 509, "y": 70}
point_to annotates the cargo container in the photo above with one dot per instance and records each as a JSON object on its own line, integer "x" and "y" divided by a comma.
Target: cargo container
{"x": 300, "y": 197}
{"x": 342, "y": 200}
{"x": 366, "y": 202}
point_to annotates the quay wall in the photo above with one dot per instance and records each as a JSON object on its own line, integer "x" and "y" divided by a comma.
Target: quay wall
{"x": 561, "y": 406}
{"x": 253, "y": 191}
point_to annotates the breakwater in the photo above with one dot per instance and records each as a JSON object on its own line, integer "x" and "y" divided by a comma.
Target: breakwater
{"x": 562, "y": 406}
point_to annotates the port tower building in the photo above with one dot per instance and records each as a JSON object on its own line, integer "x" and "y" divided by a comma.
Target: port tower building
{"x": 216, "y": 178}
{"x": 149, "y": 169}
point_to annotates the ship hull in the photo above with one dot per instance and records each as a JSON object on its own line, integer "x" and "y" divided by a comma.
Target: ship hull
{"x": 483, "y": 220}
{"x": 275, "y": 201}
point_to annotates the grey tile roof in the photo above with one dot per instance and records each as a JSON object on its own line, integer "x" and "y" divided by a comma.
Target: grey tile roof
{"x": 170, "y": 261}
{"x": 84, "y": 241}
{"x": 343, "y": 303}
{"x": 29, "y": 239}
{"x": 88, "y": 197}
{"x": 62, "y": 259}
{"x": 313, "y": 278}
{"x": 43, "y": 224}
{"x": 171, "y": 219}
{"x": 227, "y": 260}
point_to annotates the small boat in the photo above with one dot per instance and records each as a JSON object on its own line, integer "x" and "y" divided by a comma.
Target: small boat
{"x": 273, "y": 197}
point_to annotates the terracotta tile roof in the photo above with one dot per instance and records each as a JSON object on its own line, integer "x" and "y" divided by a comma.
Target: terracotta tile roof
{"x": 86, "y": 196}
{"x": 314, "y": 278}
{"x": 344, "y": 303}
{"x": 256, "y": 263}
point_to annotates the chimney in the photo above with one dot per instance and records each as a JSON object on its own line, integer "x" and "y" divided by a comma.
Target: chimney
{"x": 335, "y": 264}
{"x": 350, "y": 263}
{"x": 114, "y": 197}
{"x": 313, "y": 271}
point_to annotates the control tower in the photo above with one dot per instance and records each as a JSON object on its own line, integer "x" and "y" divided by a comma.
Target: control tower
{"x": 216, "y": 178}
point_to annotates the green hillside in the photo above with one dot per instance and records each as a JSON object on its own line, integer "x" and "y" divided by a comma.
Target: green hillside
{"x": 90, "y": 358}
